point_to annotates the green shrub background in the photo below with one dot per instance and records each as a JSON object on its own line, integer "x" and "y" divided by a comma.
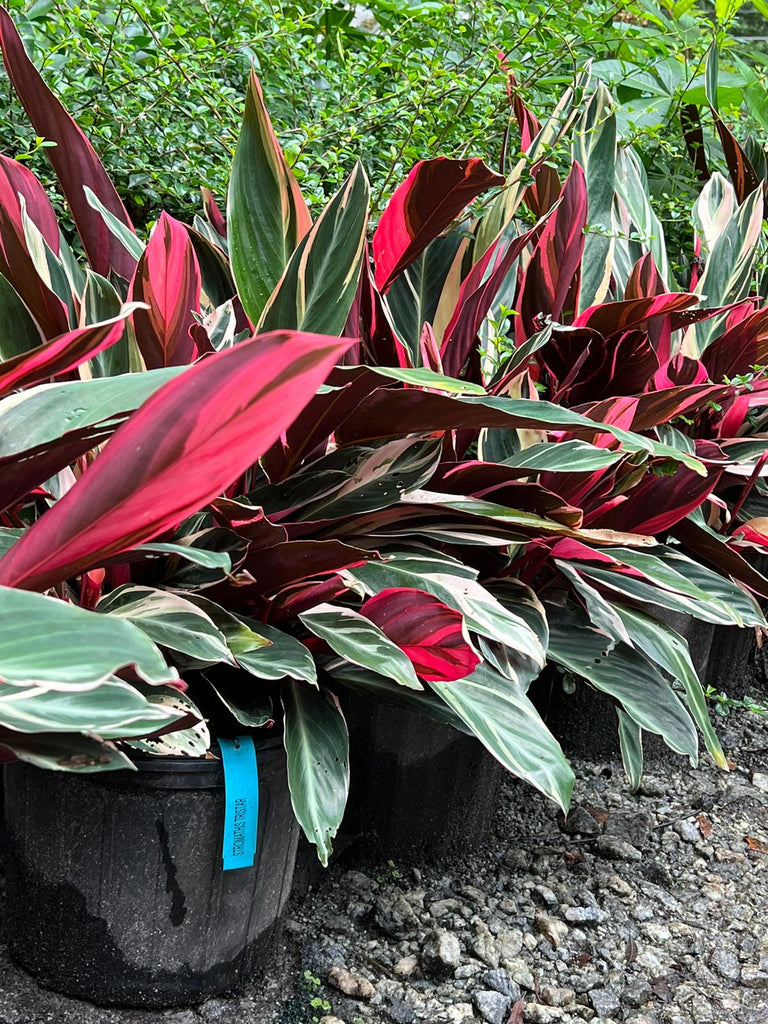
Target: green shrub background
{"x": 158, "y": 86}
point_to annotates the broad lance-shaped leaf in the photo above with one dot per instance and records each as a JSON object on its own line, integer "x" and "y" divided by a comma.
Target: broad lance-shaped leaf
{"x": 632, "y": 187}
{"x": 18, "y": 330}
{"x": 319, "y": 284}
{"x": 596, "y": 151}
{"x": 317, "y": 746}
{"x": 266, "y": 214}
{"x": 414, "y": 295}
{"x": 63, "y": 353}
{"x": 434, "y": 194}
{"x": 388, "y": 413}
{"x": 733, "y": 249}
{"x": 479, "y": 290}
{"x": 623, "y": 674}
{"x": 283, "y": 655}
{"x": 185, "y": 445}
{"x": 73, "y": 158}
{"x": 716, "y": 598}
{"x": 21, "y": 191}
{"x": 54, "y": 644}
{"x": 56, "y": 423}
{"x": 360, "y": 641}
{"x": 189, "y": 741}
{"x": 564, "y": 457}
{"x": 167, "y": 280}
{"x": 551, "y": 280}
{"x": 667, "y": 649}
{"x": 500, "y": 715}
{"x": 112, "y": 710}
{"x": 64, "y": 752}
{"x": 428, "y": 631}
{"x": 452, "y": 586}
{"x": 631, "y": 744}
{"x": 169, "y": 620}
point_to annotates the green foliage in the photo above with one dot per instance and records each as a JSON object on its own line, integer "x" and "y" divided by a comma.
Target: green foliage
{"x": 158, "y": 86}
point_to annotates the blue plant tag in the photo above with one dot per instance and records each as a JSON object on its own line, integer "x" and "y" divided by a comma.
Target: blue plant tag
{"x": 241, "y": 811}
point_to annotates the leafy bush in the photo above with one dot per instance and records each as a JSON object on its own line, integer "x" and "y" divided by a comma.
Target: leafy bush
{"x": 157, "y": 86}
{"x": 530, "y": 441}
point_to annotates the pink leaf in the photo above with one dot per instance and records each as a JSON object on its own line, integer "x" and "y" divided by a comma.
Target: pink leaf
{"x": 184, "y": 446}
{"x": 428, "y": 631}
{"x": 551, "y": 280}
{"x": 73, "y": 158}
{"x": 431, "y": 197}
{"x": 62, "y": 354}
{"x": 16, "y": 263}
{"x": 167, "y": 279}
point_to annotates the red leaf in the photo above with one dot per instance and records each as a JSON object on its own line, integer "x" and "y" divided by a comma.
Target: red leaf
{"x": 644, "y": 281}
{"x": 62, "y": 354}
{"x": 551, "y": 280}
{"x": 73, "y": 158}
{"x": 741, "y": 171}
{"x": 705, "y": 825}
{"x": 15, "y": 180}
{"x": 185, "y": 445}
{"x": 293, "y": 561}
{"x": 428, "y": 631}
{"x": 213, "y": 213}
{"x": 477, "y": 292}
{"x": 167, "y": 279}
{"x": 15, "y": 262}
{"x": 658, "y": 502}
{"x": 608, "y": 317}
{"x": 739, "y": 348}
{"x": 722, "y": 556}
{"x": 679, "y": 371}
{"x": 756, "y": 845}
{"x": 431, "y": 197}
{"x": 655, "y": 407}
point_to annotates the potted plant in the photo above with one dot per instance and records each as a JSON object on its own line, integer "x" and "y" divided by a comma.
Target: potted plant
{"x": 291, "y": 516}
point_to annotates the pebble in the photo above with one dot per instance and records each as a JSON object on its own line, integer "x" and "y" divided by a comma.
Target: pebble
{"x": 604, "y": 1003}
{"x": 580, "y": 823}
{"x": 501, "y": 981}
{"x": 760, "y": 779}
{"x": 459, "y": 1012}
{"x": 406, "y": 967}
{"x": 637, "y": 993}
{"x": 633, "y": 827}
{"x": 352, "y": 985}
{"x": 441, "y": 953}
{"x": 617, "y": 849}
{"x": 484, "y": 945}
{"x": 492, "y": 1006}
{"x": 754, "y": 977}
{"x": 725, "y": 963}
{"x": 395, "y": 916}
{"x": 558, "y": 996}
{"x": 553, "y": 930}
{"x": 584, "y": 915}
{"x": 688, "y": 830}
{"x": 509, "y": 943}
{"x": 537, "y": 1013}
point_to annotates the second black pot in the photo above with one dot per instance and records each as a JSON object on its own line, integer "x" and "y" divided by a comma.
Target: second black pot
{"x": 416, "y": 785}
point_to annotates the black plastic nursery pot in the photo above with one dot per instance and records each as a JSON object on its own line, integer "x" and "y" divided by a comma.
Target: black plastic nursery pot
{"x": 417, "y": 786}
{"x": 116, "y": 889}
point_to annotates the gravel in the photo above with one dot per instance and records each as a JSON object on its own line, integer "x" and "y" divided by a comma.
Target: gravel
{"x": 638, "y": 909}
